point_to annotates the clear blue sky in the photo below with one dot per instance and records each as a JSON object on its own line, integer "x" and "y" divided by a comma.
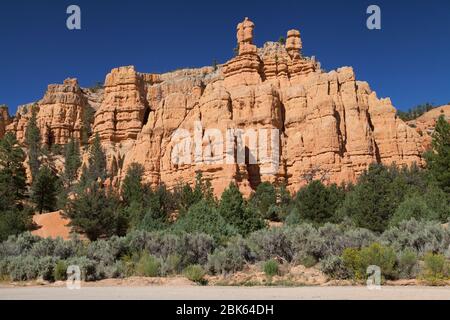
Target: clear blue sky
{"x": 408, "y": 60}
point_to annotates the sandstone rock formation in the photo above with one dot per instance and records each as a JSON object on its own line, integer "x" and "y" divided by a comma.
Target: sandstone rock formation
{"x": 424, "y": 125}
{"x": 317, "y": 124}
{"x": 59, "y": 114}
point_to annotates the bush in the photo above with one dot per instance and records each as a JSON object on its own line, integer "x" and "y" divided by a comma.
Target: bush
{"x": 413, "y": 207}
{"x": 46, "y": 268}
{"x": 106, "y": 251}
{"x": 408, "y": 266}
{"x": 436, "y": 269}
{"x": 195, "y": 273}
{"x": 23, "y": 268}
{"x": 60, "y": 272}
{"x": 88, "y": 268}
{"x": 43, "y": 248}
{"x": 268, "y": 244}
{"x": 171, "y": 265}
{"x": 203, "y": 217}
{"x": 230, "y": 259}
{"x": 148, "y": 266}
{"x": 357, "y": 261}
{"x": 271, "y": 268}
{"x": 420, "y": 237}
{"x": 334, "y": 267}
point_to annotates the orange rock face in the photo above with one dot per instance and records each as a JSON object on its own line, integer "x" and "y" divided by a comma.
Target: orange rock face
{"x": 319, "y": 125}
{"x": 424, "y": 125}
{"x": 328, "y": 123}
{"x": 59, "y": 114}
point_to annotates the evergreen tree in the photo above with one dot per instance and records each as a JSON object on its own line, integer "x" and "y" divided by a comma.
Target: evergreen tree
{"x": 14, "y": 217}
{"x": 264, "y": 199}
{"x": 97, "y": 160}
{"x": 186, "y": 196}
{"x": 132, "y": 189}
{"x": 94, "y": 212}
{"x": 438, "y": 160}
{"x": 374, "y": 199}
{"x": 33, "y": 142}
{"x": 317, "y": 203}
{"x": 203, "y": 217}
{"x": 44, "y": 190}
{"x": 72, "y": 162}
{"x": 233, "y": 209}
{"x": 86, "y": 129}
{"x": 11, "y": 164}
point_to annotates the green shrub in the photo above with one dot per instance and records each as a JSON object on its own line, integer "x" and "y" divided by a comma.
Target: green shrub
{"x": 23, "y": 268}
{"x": 334, "y": 267}
{"x": 60, "y": 272}
{"x": 421, "y": 237}
{"x": 436, "y": 269}
{"x": 88, "y": 268}
{"x": 318, "y": 203}
{"x": 148, "y": 266}
{"x": 195, "y": 273}
{"x": 307, "y": 261}
{"x": 171, "y": 265}
{"x": 415, "y": 207}
{"x": 46, "y": 267}
{"x": 357, "y": 261}
{"x": 271, "y": 243}
{"x": 203, "y": 217}
{"x": 408, "y": 266}
{"x": 271, "y": 268}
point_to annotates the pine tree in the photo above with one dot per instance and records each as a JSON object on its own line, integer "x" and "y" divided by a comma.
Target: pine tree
{"x": 438, "y": 160}
{"x": 14, "y": 217}
{"x": 263, "y": 199}
{"x": 132, "y": 189}
{"x": 97, "y": 160}
{"x": 44, "y": 190}
{"x": 87, "y": 119}
{"x": 72, "y": 162}
{"x": 33, "y": 142}
{"x": 11, "y": 164}
{"x": 94, "y": 212}
{"x": 233, "y": 209}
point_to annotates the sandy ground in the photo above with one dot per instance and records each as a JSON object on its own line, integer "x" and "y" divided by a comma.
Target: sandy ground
{"x": 225, "y": 293}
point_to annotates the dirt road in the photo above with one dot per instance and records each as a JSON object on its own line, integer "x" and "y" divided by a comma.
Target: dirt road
{"x": 226, "y": 293}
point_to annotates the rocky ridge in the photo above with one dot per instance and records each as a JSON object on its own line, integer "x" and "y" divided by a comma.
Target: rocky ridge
{"x": 330, "y": 125}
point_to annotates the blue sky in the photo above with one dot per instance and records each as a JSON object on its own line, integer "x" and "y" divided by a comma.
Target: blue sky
{"x": 407, "y": 60}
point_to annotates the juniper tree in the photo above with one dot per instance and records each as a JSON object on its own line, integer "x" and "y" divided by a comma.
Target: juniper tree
{"x": 132, "y": 189}
{"x": 44, "y": 190}
{"x": 33, "y": 142}
{"x": 438, "y": 159}
{"x": 11, "y": 164}
{"x": 72, "y": 162}
{"x": 94, "y": 212}
{"x": 97, "y": 160}
{"x": 234, "y": 210}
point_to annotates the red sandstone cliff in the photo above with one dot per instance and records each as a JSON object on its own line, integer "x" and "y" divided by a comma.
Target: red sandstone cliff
{"x": 328, "y": 123}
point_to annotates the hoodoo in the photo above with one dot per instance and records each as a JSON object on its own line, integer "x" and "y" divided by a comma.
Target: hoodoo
{"x": 330, "y": 124}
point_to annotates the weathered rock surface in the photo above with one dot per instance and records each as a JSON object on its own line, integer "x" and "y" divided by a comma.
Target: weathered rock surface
{"x": 329, "y": 125}
{"x": 59, "y": 115}
{"x": 424, "y": 125}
